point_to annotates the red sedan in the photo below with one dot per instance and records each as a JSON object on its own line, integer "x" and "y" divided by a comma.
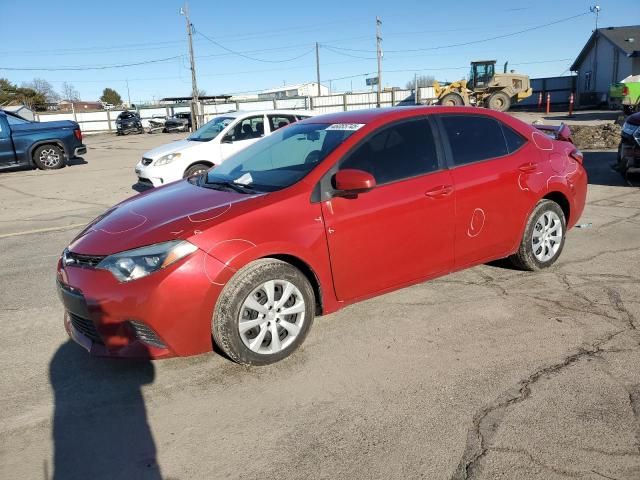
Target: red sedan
{"x": 324, "y": 213}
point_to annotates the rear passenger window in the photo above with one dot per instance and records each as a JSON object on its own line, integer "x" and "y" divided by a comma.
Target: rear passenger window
{"x": 400, "y": 151}
{"x": 514, "y": 139}
{"x": 474, "y": 138}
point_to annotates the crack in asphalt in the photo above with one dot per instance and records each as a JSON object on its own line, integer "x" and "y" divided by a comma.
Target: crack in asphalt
{"x": 476, "y": 449}
{"x": 33, "y": 195}
{"x": 485, "y": 422}
{"x": 536, "y": 461}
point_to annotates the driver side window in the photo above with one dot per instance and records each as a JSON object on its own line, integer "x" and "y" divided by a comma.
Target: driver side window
{"x": 247, "y": 129}
{"x": 400, "y": 151}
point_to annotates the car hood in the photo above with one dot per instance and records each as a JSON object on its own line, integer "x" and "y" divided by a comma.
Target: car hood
{"x": 179, "y": 145}
{"x": 176, "y": 211}
{"x": 634, "y": 119}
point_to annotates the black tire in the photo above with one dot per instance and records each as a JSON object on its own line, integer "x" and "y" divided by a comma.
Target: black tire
{"x": 621, "y": 165}
{"x": 196, "y": 169}
{"x": 499, "y": 101}
{"x": 226, "y": 316}
{"x": 525, "y": 258}
{"x": 452, "y": 100}
{"x": 49, "y": 157}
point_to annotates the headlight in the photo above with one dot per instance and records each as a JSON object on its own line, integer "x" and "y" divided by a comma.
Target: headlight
{"x": 167, "y": 159}
{"x": 140, "y": 262}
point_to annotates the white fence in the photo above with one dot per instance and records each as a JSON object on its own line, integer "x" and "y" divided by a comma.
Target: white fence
{"x": 105, "y": 121}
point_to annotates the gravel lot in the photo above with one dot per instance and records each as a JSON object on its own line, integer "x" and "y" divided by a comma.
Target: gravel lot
{"x": 486, "y": 373}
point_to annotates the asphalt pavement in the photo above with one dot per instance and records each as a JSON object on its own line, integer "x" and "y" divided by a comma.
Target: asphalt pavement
{"x": 486, "y": 373}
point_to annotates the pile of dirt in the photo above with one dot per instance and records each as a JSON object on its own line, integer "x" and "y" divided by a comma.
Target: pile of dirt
{"x": 596, "y": 137}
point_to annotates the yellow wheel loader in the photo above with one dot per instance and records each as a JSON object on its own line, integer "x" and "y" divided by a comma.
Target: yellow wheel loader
{"x": 485, "y": 88}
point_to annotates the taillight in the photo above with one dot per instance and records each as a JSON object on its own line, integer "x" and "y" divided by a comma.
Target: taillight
{"x": 78, "y": 134}
{"x": 625, "y": 91}
{"x": 577, "y": 155}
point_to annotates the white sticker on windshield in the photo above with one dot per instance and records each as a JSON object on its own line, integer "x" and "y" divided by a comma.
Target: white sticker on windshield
{"x": 345, "y": 126}
{"x": 245, "y": 179}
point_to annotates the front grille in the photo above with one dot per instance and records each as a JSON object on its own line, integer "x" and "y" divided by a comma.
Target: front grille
{"x": 146, "y": 161}
{"x": 80, "y": 260}
{"x": 146, "y": 335}
{"x": 86, "y": 327}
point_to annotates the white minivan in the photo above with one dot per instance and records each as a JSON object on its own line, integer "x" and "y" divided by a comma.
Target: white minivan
{"x": 211, "y": 144}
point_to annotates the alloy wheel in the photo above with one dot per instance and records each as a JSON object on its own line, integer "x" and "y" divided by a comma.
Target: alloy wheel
{"x": 547, "y": 236}
{"x": 271, "y": 317}
{"x": 49, "y": 157}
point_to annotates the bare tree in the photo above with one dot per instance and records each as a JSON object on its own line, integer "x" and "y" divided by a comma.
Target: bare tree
{"x": 202, "y": 92}
{"x": 44, "y": 88}
{"x": 69, "y": 92}
{"x": 423, "y": 81}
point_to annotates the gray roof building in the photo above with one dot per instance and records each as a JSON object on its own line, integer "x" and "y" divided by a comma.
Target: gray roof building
{"x": 610, "y": 54}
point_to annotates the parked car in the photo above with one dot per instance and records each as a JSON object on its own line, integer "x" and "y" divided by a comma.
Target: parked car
{"x": 629, "y": 148}
{"x": 128, "y": 122}
{"x": 181, "y": 119}
{"x": 46, "y": 145}
{"x": 321, "y": 214}
{"x": 211, "y": 144}
{"x": 625, "y": 95}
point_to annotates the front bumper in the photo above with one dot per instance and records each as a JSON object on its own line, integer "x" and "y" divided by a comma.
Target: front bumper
{"x": 165, "y": 314}
{"x": 155, "y": 176}
{"x": 629, "y": 159}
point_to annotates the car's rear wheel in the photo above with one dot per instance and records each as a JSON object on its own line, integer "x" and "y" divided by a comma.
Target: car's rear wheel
{"x": 48, "y": 157}
{"x": 263, "y": 313}
{"x": 196, "y": 169}
{"x": 543, "y": 238}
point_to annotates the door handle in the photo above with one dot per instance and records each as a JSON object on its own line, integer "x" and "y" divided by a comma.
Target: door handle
{"x": 442, "y": 191}
{"x": 528, "y": 167}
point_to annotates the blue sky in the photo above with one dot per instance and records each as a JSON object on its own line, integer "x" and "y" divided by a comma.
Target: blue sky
{"x": 82, "y": 33}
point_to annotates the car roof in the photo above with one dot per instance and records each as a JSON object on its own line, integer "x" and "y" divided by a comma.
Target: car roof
{"x": 242, "y": 113}
{"x": 374, "y": 115}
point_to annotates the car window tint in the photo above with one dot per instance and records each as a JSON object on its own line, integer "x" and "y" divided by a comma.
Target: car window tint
{"x": 15, "y": 121}
{"x": 279, "y": 121}
{"x": 474, "y": 138}
{"x": 250, "y": 127}
{"x": 400, "y": 151}
{"x": 513, "y": 138}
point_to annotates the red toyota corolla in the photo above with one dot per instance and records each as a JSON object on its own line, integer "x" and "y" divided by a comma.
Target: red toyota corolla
{"x": 319, "y": 215}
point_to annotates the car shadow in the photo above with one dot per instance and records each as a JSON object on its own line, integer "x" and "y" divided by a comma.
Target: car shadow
{"x": 141, "y": 187}
{"x": 76, "y": 161}
{"x": 586, "y": 116}
{"x": 100, "y": 427}
{"x": 600, "y": 167}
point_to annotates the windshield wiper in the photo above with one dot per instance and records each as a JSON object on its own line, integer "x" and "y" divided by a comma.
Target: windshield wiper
{"x": 236, "y": 187}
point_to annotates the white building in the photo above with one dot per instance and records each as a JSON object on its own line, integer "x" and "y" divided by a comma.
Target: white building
{"x": 292, "y": 91}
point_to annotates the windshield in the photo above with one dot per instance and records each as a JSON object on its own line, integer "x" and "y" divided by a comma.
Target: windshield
{"x": 210, "y": 130}
{"x": 281, "y": 159}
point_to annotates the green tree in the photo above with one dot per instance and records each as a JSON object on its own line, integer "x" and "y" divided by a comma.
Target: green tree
{"x": 109, "y": 95}
{"x": 11, "y": 94}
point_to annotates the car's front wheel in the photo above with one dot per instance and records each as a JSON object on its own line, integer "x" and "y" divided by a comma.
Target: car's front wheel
{"x": 543, "y": 238}
{"x": 264, "y": 313}
{"x": 196, "y": 169}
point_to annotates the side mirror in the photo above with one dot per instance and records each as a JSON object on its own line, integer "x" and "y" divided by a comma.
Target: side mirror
{"x": 226, "y": 139}
{"x": 350, "y": 182}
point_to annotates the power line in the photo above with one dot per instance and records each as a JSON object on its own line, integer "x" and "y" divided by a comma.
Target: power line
{"x": 472, "y": 42}
{"x": 90, "y": 67}
{"x": 240, "y": 54}
{"x": 334, "y": 50}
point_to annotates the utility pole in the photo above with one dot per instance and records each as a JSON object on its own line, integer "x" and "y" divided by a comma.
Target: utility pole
{"x": 194, "y": 85}
{"x": 595, "y": 9}
{"x": 318, "y": 66}
{"x": 379, "y": 54}
{"x": 128, "y": 94}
